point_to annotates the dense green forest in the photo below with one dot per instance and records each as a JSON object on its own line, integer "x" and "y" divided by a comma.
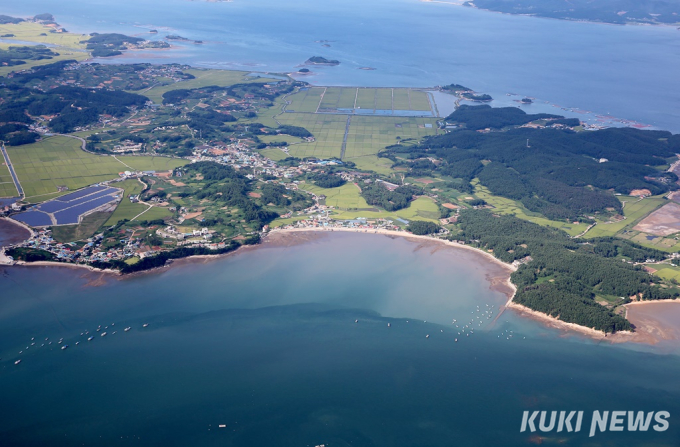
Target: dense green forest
{"x": 110, "y": 44}
{"x": 481, "y": 117}
{"x": 74, "y": 106}
{"x": 226, "y": 186}
{"x": 422, "y": 227}
{"x": 377, "y": 194}
{"x": 327, "y": 180}
{"x": 19, "y": 55}
{"x": 560, "y": 275}
{"x": 559, "y": 173}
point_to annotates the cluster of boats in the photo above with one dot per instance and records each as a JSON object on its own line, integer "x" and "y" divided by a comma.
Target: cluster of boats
{"x": 468, "y": 328}
{"x": 102, "y": 332}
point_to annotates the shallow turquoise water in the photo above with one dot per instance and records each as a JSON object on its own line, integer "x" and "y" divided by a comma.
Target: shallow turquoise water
{"x": 265, "y": 342}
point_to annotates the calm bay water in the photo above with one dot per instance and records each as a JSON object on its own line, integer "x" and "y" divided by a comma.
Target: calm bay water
{"x": 626, "y": 71}
{"x": 265, "y": 342}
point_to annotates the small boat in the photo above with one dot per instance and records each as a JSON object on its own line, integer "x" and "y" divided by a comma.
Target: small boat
{"x": 64, "y": 347}
{"x": 427, "y": 336}
{"x": 389, "y": 324}
{"x": 356, "y": 321}
{"x": 77, "y": 343}
{"x": 113, "y": 333}
{"x": 145, "y": 325}
{"x": 456, "y": 340}
{"x": 17, "y": 362}
{"x": 90, "y": 338}
{"x": 103, "y": 334}
{"x": 127, "y": 329}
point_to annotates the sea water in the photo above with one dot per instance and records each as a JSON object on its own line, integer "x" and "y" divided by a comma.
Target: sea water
{"x": 347, "y": 339}
{"x": 628, "y": 72}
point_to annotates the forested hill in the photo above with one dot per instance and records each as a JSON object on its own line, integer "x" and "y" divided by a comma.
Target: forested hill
{"x": 559, "y": 173}
{"x": 607, "y": 11}
{"x": 562, "y": 276}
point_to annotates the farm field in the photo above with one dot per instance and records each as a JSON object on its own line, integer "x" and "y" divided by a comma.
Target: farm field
{"x": 127, "y": 209}
{"x": 204, "y": 78}
{"x": 350, "y": 205}
{"x": 87, "y": 228}
{"x": 7, "y": 188}
{"x": 367, "y": 135}
{"x": 666, "y": 271}
{"x": 58, "y": 161}
{"x": 362, "y": 100}
{"x": 306, "y": 100}
{"x": 328, "y": 130}
{"x": 507, "y": 206}
{"x": 634, "y": 210}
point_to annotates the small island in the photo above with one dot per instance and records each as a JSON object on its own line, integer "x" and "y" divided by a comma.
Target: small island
{"x": 318, "y": 60}
{"x": 474, "y": 97}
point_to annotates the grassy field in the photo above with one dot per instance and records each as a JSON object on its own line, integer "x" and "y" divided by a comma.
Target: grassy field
{"x": 87, "y": 228}
{"x": 127, "y": 209}
{"x": 273, "y": 154}
{"x": 667, "y": 272}
{"x": 507, "y": 206}
{"x": 634, "y": 210}
{"x": 68, "y": 44}
{"x": 204, "y": 78}
{"x": 154, "y": 213}
{"x": 350, "y": 205}
{"x": 372, "y": 163}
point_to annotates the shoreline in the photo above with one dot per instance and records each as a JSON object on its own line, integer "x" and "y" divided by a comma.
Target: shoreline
{"x": 645, "y": 334}
{"x": 641, "y": 336}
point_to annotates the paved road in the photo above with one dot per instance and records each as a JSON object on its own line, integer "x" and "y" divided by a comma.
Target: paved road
{"x": 11, "y": 171}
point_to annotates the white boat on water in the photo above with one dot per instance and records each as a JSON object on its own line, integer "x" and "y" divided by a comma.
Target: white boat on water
{"x": 17, "y": 362}
{"x": 145, "y": 325}
{"x": 90, "y": 338}
{"x": 127, "y": 329}
{"x": 64, "y": 347}
{"x": 103, "y": 334}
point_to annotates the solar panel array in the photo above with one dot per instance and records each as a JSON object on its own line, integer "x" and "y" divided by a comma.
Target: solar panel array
{"x": 67, "y": 209}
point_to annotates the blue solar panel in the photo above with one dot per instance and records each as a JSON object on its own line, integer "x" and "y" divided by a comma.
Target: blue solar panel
{"x": 33, "y": 218}
{"x": 57, "y": 205}
{"x": 70, "y": 215}
{"x": 81, "y": 193}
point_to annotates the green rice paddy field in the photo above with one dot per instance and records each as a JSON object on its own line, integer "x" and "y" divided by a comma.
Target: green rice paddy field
{"x": 7, "y": 188}
{"x": 58, "y": 161}
{"x": 329, "y": 99}
{"x": 367, "y": 135}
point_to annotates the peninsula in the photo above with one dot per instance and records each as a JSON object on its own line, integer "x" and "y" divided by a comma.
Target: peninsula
{"x": 160, "y": 162}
